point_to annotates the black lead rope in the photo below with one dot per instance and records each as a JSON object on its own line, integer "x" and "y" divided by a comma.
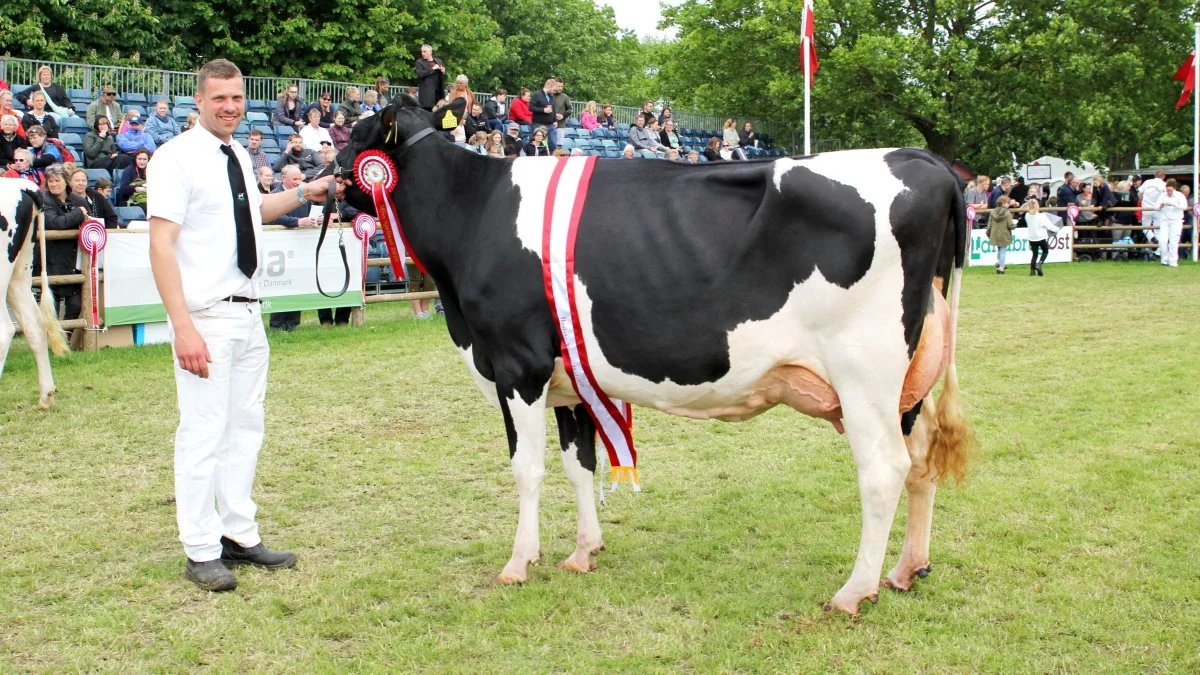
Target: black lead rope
{"x": 326, "y": 215}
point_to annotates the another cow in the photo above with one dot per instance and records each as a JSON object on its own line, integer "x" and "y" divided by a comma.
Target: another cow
{"x": 710, "y": 291}
{"x": 20, "y": 208}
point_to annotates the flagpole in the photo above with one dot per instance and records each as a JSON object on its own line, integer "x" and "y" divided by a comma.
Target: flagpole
{"x": 807, "y": 86}
{"x": 1195, "y": 137}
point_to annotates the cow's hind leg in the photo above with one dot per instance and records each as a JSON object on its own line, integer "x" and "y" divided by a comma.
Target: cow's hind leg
{"x": 920, "y": 485}
{"x": 525, "y": 423}
{"x": 20, "y": 300}
{"x": 577, "y": 437}
{"x": 873, "y": 427}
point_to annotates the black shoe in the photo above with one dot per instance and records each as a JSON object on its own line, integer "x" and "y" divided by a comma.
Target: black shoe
{"x": 233, "y": 553}
{"x": 1039, "y": 269}
{"x": 1032, "y": 271}
{"x": 211, "y": 575}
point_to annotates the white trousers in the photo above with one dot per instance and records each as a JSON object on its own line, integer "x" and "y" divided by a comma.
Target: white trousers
{"x": 1168, "y": 240}
{"x": 220, "y": 431}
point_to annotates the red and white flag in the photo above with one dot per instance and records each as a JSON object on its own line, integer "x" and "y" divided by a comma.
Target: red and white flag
{"x": 1187, "y": 75}
{"x": 807, "y": 41}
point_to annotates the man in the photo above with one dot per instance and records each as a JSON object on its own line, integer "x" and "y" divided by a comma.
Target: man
{"x": 258, "y": 158}
{"x": 1171, "y": 206}
{"x": 135, "y": 138}
{"x": 295, "y": 153}
{"x": 496, "y": 109}
{"x": 542, "y": 107}
{"x": 978, "y": 197}
{"x": 647, "y": 113}
{"x": 562, "y": 105}
{"x": 513, "y": 144}
{"x": 324, "y": 157}
{"x": 105, "y": 105}
{"x": 1067, "y": 192}
{"x": 205, "y": 223}
{"x": 1151, "y": 193}
{"x": 641, "y": 137}
{"x": 476, "y": 121}
{"x": 161, "y": 127}
{"x": 431, "y": 73}
{"x": 1002, "y": 189}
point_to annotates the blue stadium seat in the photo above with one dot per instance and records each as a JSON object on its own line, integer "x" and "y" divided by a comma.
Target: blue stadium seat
{"x": 185, "y": 102}
{"x": 180, "y": 114}
{"x": 257, "y": 105}
{"x": 139, "y": 109}
{"x": 525, "y": 130}
{"x": 647, "y": 154}
{"x": 80, "y": 93}
{"x": 96, "y": 174}
{"x": 71, "y": 138}
{"x": 269, "y": 144}
{"x": 256, "y": 116}
{"x": 608, "y": 144}
{"x": 593, "y": 153}
{"x": 572, "y": 123}
{"x": 614, "y": 153}
{"x": 703, "y": 159}
{"x": 128, "y": 213}
{"x": 570, "y": 132}
{"x": 272, "y": 156}
{"x": 567, "y": 144}
{"x": 243, "y": 128}
{"x": 134, "y": 98}
{"x": 282, "y": 133}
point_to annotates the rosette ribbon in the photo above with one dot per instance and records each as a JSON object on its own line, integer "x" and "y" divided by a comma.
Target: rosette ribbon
{"x": 970, "y": 216}
{"x": 1072, "y": 213}
{"x": 92, "y": 238}
{"x": 364, "y": 228}
{"x": 376, "y": 174}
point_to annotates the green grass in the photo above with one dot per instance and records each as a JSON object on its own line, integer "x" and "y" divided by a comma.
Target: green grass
{"x": 1073, "y": 547}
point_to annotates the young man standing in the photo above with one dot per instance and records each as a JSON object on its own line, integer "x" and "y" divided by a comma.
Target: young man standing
{"x": 205, "y": 224}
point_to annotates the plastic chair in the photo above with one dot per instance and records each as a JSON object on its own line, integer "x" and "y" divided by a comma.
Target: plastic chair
{"x": 96, "y": 174}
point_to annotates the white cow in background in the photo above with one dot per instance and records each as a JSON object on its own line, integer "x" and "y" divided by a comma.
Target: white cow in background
{"x": 20, "y": 209}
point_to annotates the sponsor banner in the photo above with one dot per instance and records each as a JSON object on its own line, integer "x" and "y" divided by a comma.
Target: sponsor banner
{"x": 286, "y": 279}
{"x": 984, "y": 254}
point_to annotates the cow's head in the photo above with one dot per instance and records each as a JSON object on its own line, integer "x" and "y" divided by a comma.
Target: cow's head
{"x": 394, "y": 130}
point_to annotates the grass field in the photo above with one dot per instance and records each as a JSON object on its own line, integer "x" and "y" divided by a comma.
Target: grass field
{"x": 1072, "y": 548}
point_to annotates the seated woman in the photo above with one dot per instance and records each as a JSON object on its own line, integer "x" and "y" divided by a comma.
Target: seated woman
{"x": 131, "y": 190}
{"x": 6, "y": 109}
{"x": 519, "y": 110}
{"x": 266, "y": 180}
{"x": 10, "y": 140}
{"x": 289, "y": 108}
{"x": 100, "y": 148}
{"x": 312, "y": 134}
{"x": 323, "y": 104}
{"x": 339, "y": 132}
{"x": 56, "y": 97}
{"x": 537, "y": 145}
{"x": 587, "y": 120}
{"x": 98, "y": 206}
{"x": 712, "y": 152}
{"x": 38, "y": 115}
{"x": 20, "y": 167}
{"x": 605, "y": 119}
{"x": 495, "y": 144}
{"x": 668, "y": 137}
{"x": 63, "y": 211}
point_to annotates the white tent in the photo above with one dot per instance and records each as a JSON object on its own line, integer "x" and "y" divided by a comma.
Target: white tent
{"x": 1050, "y": 170}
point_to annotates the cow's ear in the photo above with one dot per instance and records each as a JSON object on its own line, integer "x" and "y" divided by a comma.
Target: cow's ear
{"x": 387, "y": 123}
{"x": 457, "y": 108}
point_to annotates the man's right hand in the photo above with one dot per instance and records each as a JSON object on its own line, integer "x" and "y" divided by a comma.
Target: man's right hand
{"x": 191, "y": 352}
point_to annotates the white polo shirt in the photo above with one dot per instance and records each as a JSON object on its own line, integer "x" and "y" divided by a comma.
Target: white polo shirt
{"x": 187, "y": 182}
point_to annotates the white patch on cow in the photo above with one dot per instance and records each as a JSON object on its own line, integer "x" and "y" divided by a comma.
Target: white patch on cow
{"x": 485, "y": 385}
{"x": 532, "y": 176}
{"x": 529, "y": 468}
{"x": 15, "y": 287}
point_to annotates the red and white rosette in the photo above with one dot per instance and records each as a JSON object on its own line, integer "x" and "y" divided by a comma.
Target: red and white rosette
{"x": 1196, "y": 210}
{"x": 970, "y": 216}
{"x": 92, "y": 238}
{"x": 1072, "y": 213}
{"x": 376, "y": 174}
{"x": 364, "y": 228}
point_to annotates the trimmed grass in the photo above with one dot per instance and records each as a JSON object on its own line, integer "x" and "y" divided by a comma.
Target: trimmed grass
{"x": 1072, "y": 548}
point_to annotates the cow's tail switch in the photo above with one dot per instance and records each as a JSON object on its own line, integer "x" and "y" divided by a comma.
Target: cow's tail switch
{"x": 54, "y": 331}
{"x": 953, "y": 441}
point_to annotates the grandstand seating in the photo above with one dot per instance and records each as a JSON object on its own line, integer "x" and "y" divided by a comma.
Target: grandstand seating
{"x": 96, "y": 174}
{"x": 128, "y": 213}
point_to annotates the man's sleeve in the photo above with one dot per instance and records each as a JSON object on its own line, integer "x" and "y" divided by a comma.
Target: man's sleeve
{"x": 167, "y": 191}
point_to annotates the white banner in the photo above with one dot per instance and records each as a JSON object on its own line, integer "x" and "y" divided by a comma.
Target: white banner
{"x": 286, "y": 281}
{"x": 984, "y": 254}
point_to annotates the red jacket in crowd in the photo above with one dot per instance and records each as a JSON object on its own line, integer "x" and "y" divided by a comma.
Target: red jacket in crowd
{"x": 519, "y": 111}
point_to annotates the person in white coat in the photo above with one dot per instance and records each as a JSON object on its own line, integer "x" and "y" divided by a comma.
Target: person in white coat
{"x": 1150, "y": 192}
{"x": 1039, "y": 226}
{"x": 1171, "y": 207}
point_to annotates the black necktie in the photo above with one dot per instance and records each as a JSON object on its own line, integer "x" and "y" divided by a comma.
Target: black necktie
{"x": 247, "y": 254}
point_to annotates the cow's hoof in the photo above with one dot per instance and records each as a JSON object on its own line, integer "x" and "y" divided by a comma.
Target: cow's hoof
{"x": 506, "y": 579}
{"x": 46, "y": 402}
{"x": 903, "y": 580}
{"x": 850, "y": 607}
{"x": 580, "y": 563}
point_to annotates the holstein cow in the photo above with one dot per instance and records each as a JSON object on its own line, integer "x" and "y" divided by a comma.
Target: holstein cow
{"x": 20, "y": 208}
{"x": 710, "y": 291}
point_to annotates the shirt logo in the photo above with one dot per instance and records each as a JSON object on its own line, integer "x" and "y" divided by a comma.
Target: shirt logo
{"x": 241, "y": 196}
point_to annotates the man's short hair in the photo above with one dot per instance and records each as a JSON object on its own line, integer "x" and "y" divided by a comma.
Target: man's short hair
{"x": 1171, "y": 182}
{"x": 295, "y": 137}
{"x": 256, "y": 132}
{"x": 1068, "y": 175}
{"x": 102, "y": 184}
{"x": 221, "y": 69}
{"x": 290, "y": 168}
{"x": 501, "y": 92}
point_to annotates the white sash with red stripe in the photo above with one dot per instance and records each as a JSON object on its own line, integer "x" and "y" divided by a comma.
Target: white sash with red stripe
{"x": 565, "y": 197}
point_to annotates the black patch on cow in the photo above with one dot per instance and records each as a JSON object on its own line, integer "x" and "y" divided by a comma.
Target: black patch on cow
{"x": 24, "y": 215}
{"x": 909, "y": 418}
{"x": 509, "y": 429}
{"x": 575, "y": 425}
{"x": 718, "y": 248}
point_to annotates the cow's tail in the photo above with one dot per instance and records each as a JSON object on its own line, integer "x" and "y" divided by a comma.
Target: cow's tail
{"x": 54, "y": 331}
{"x": 953, "y": 441}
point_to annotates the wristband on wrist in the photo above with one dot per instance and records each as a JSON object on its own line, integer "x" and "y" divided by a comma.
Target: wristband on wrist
{"x": 300, "y": 194}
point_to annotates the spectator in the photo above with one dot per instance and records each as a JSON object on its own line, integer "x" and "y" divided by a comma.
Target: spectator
{"x": 323, "y": 105}
{"x": 712, "y": 152}
{"x": 289, "y": 108}
{"x": 1038, "y": 224}
{"x": 324, "y": 157}
{"x": 105, "y": 106}
{"x": 1068, "y": 191}
{"x": 541, "y": 105}
{"x": 193, "y": 118}
{"x": 561, "y": 103}
{"x": 1188, "y": 218}
{"x": 161, "y": 127}
{"x": 629, "y": 152}
{"x": 382, "y": 99}
{"x": 100, "y": 147}
{"x": 38, "y": 115}
{"x": 606, "y": 119}
{"x": 266, "y": 180}
{"x": 641, "y": 137}
{"x": 647, "y": 113}
{"x": 339, "y": 133}
{"x": 258, "y": 158}
{"x": 124, "y": 125}
{"x": 1171, "y": 206}
{"x": 56, "y": 97}
{"x": 98, "y": 206}
{"x": 496, "y": 109}
{"x": 298, "y": 218}
{"x": 668, "y": 137}
{"x": 693, "y": 157}
{"x": 313, "y": 135}
{"x": 1126, "y": 198}
{"x": 41, "y": 153}
{"x": 131, "y": 190}
{"x": 476, "y": 122}
{"x": 977, "y": 196}
{"x": 671, "y": 155}
{"x": 477, "y": 141}
{"x": 587, "y": 119}
{"x": 10, "y": 140}
{"x": 104, "y": 186}
{"x": 539, "y": 145}
{"x": 63, "y": 211}
{"x": 370, "y": 104}
{"x": 513, "y": 143}
{"x": 133, "y": 140}
{"x": 519, "y": 111}
{"x": 665, "y": 115}
{"x": 22, "y": 167}
{"x": 351, "y": 108}
{"x": 999, "y": 231}
{"x": 463, "y": 91}
{"x": 1000, "y": 190}
{"x": 730, "y": 134}
{"x": 6, "y": 108}
{"x": 495, "y": 146}
{"x": 747, "y": 136}
{"x": 431, "y": 73}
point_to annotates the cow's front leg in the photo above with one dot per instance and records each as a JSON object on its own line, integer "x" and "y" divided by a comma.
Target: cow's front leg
{"x": 22, "y": 304}
{"x": 577, "y": 438}
{"x": 921, "y": 486}
{"x": 525, "y": 423}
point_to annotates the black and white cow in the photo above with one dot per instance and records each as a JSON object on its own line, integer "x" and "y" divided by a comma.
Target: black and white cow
{"x": 710, "y": 291}
{"x": 20, "y": 209}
